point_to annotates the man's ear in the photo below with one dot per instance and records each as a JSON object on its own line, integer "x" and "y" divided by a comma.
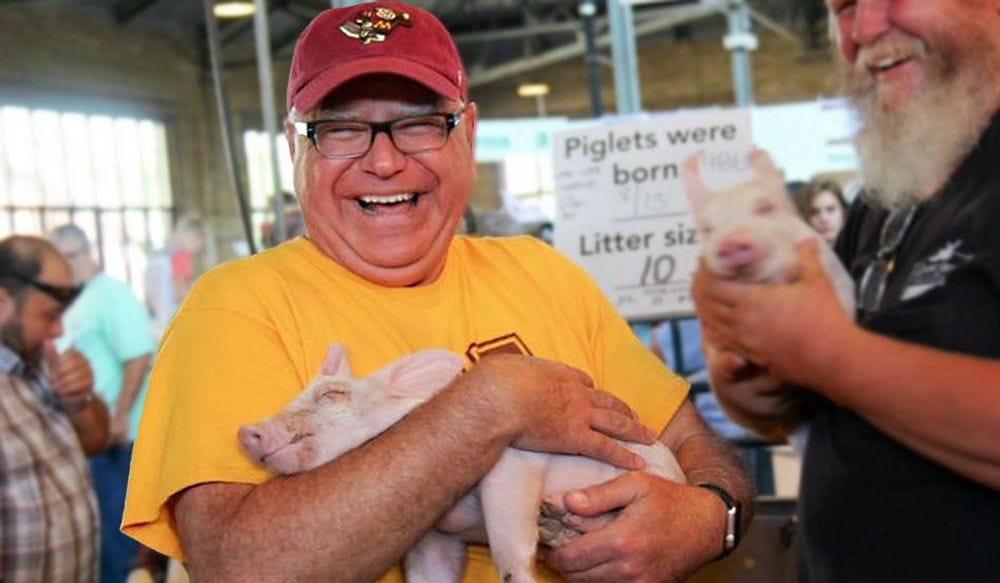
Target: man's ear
{"x": 8, "y": 306}
{"x": 290, "y": 136}
{"x": 471, "y": 117}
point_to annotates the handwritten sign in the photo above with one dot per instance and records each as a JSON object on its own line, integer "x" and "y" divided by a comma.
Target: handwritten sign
{"x": 621, "y": 209}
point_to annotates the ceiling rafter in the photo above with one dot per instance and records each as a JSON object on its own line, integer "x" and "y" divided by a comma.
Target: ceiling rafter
{"x": 126, "y": 10}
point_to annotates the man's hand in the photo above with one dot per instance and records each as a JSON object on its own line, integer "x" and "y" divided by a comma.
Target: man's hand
{"x": 750, "y": 395}
{"x": 775, "y": 326}
{"x": 70, "y": 375}
{"x": 556, "y": 408}
{"x": 664, "y": 531}
{"x": 119, "y": 428}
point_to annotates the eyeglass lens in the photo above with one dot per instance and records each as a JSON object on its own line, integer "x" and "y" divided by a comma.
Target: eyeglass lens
{"x": 409, "y": 135}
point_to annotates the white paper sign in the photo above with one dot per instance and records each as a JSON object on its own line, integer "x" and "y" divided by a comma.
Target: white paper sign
{"x": 621, "y": 209}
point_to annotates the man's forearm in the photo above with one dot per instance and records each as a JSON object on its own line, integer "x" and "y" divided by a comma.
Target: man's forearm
{"x": 942, "y": 405}
{"x": 132, "y": 374}
{"x": 706, "y": 457}
{"x": 356, "y": 516}
{"x": 90, "y": 422}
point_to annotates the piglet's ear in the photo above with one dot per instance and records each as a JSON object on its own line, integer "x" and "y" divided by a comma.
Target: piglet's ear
{"x": 763, "y": 166}
{"x": 695, "y": 188}
{"x": 336, "y": 361}
{"x": 423, "y": 371}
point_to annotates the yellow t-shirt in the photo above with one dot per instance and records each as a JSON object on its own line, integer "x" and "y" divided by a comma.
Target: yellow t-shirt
{"x": 252, "y": 333}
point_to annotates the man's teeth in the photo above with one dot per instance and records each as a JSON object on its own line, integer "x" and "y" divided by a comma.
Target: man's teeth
{"x": 886, "y": 63}
{"x": 388, "y": 199}
{"x": 368, "y": 202}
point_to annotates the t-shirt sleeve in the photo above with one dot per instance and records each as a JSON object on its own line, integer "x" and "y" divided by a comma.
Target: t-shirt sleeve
{"x": 622, "y": 364}
{"x": 218, "y": 368}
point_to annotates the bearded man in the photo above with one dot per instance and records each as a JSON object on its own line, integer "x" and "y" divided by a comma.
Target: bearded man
{"x": 902, "y": 468}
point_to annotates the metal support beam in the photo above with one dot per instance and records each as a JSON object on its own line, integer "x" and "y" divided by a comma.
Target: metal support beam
{"x": 129, "y": 9}
{"x": 530, "y": 30}
{"x": 222, "y": 105}
{"x": 265, "y": 73}
{"x": 594, "y": 82}
{"x": 623, "y": 53}
{"x": 740, "y": 41}
{"x": 656, "y": 22}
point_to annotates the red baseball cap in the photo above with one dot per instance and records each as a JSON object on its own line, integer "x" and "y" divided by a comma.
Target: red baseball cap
{"x": 341, "y": 44}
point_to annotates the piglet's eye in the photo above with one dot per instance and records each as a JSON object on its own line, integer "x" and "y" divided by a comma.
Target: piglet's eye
{"x": 331, "y": 396}
{"x": 764, "y": 206}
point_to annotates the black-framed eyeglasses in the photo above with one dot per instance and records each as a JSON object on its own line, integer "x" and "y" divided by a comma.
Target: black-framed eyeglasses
{"x": 873, "y": 280}
{"x": 352, "y": 139}
{"x": 63, "y": 295}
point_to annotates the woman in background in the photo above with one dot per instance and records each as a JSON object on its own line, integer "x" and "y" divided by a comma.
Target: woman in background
{"x": 821, "y": 204}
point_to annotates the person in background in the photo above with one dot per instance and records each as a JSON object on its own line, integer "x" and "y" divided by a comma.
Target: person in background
{"x": 171, "y": 271}
{"x": 901, "y": 475}
{"x": 294, "y": 225}
{"x": 821, "y": 204}
{"x": 382, "y": 135}
{"x": 110, "y": 327}
{"x": 50, "y": 419}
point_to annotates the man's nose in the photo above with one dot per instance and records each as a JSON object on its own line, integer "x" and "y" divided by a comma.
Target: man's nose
{"x": 383, "y": 158}
{"x": 871, "y": 20}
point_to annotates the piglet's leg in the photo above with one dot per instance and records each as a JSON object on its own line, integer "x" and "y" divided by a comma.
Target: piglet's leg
{"x": 510, "y": 494}
{"x": 436, "y": 558}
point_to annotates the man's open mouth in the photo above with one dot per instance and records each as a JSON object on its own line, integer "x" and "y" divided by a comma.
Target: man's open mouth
{"x": 372, "y": 203}
{"x": 887, "y": 63}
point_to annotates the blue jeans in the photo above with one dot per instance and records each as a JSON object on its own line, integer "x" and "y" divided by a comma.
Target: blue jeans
{"x": 110, "y": 473}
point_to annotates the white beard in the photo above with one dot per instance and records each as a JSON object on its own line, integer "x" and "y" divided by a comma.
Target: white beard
{"x": 908, "y": 152}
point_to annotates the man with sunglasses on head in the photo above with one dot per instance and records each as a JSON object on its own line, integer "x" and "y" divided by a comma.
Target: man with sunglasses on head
{"x": 901, "y": 476}
{"x": 49, "y": 420}
{"x": 382, "y": 134}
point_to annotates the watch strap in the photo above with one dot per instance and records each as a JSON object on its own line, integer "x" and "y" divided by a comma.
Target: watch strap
{"x": 732, "y": 535}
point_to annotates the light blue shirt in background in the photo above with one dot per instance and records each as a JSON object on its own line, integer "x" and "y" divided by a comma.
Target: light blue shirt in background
{"x": 109, "y": 326}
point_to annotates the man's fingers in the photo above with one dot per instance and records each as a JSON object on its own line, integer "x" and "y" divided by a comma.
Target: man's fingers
{"x": 608, "y": 401}
{"x": 602, "y": 498}
{"x": 582, "y": 377}
{"x": 606, "y": 449}
{"x": 49, "y": 353}
{"x": 582, "y": 557}
{"x": 616, "y": 425}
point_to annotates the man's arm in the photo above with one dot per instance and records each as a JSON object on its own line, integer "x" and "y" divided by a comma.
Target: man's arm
{"x": 133, "y": 372}
{"x": 91, "y": 423}
{"x": 73, "y": 383}
{"x": 354, "y": 517}
{"x": 665, "y": 530}
{"x": 942, "y": 405}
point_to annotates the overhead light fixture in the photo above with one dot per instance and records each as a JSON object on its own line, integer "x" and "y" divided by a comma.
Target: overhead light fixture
{"x": 533, "y": 90}
{"x": 536, "y": 90}
{"x": 233, "y": 9}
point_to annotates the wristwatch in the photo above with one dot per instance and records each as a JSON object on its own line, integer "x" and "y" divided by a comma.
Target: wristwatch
{"x": 733, "y": 516}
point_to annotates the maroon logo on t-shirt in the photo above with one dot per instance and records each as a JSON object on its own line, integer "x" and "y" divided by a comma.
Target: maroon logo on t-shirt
{"x": 508, "y": 344}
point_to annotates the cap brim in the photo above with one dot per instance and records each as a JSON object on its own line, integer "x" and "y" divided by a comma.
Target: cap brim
{"x": 312, "y": 94}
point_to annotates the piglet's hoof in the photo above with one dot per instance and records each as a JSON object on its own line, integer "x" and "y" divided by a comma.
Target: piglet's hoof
{"x": 552, "y": 530}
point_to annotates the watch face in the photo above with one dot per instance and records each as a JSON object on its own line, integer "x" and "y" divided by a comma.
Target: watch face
{"x": 731, "y": 538}
{"x": 732, "y": 527}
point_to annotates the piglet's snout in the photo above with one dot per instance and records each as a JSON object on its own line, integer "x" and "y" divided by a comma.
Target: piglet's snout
{"x": 255, "y": 440}
{"x": 737, "y": 252}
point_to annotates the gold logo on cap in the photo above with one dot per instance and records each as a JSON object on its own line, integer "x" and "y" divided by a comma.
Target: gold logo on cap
{"x": 373, "y": 25}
